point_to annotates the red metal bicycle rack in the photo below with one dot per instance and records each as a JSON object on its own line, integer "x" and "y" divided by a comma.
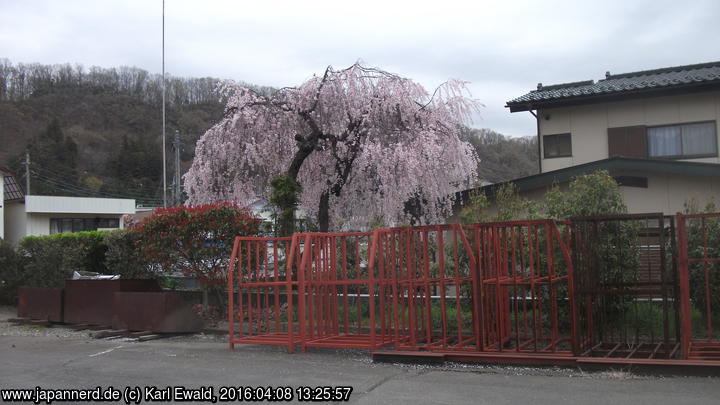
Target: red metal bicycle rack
{"x": 620, "y": 289}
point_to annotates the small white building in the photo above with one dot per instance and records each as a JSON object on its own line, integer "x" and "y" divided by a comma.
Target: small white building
{"x": 34, "y": 215}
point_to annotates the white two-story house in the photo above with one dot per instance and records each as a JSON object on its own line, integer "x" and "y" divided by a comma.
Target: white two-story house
{"x": 655, "y": 131}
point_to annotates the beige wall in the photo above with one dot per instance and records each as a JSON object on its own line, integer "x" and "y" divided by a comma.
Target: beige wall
{"x": 669, "y": 193}
{"x": 588, "y": 124}
{"x": 665, "y": 193}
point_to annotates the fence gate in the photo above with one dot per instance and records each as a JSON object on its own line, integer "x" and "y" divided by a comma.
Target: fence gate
{"x": 699, "y": 265}
{"x": 262, "y": 287}
{"x": 432, "y": 283}
{"x": 343, "y": 293}
{"x": 525, "y": 293}
{"x": 626, "y": 278}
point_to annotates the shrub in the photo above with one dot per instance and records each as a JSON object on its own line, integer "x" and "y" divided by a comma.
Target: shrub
{"x": 10, "y": 273}
{"x": 613, "y": 244}
{"x": 92, "y": 249}
{"x": 50, "y": 259}
{"x": 124, "y": 256}
{"x": 285, "y": 196}
{"x": 474, "y": 211}
{"x": 592, "y": 194}
{"x": 195, "y": 240}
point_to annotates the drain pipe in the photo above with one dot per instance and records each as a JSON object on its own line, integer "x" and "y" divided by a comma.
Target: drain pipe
{"x": 537, "y": 121}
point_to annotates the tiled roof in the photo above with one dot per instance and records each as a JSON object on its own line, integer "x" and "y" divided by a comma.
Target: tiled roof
{"x": 12, "y": 188}
{"x": 622, "y": 83}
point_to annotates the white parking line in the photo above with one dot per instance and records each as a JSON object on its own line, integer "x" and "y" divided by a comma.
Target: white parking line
{"x": 104, "y": 352}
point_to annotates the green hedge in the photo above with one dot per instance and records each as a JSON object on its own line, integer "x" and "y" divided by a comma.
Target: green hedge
{"x": 10, "y": 272}
{"x": 124, "y": 256}
{"x": 49, "y": 260}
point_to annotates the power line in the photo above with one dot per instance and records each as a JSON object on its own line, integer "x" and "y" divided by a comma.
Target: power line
{"x": 78, "y": 189}
{"x": 51, "y": 174}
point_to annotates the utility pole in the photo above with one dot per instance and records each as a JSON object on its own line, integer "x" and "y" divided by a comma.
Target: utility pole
{"x": 176, "y": 187}
{"x": 163, "y": 109}
{"x": 27, "y": 172}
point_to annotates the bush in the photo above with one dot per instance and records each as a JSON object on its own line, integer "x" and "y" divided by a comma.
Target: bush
{"x": 195, "y": 240}
{"x": 592, "y": 194}
{"x": 124, "y": 256}
{"x": 10, "y": 273}
{"x": 48, "y": 262}
{"x": 50, "y": 259}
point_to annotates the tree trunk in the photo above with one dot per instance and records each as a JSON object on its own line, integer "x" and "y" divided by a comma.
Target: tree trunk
{"x": 324, "y": 212}
{"x": 287, "y": 213}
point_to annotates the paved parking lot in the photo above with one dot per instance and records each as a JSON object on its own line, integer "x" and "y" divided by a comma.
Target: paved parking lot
{"x": 59, "y": 358}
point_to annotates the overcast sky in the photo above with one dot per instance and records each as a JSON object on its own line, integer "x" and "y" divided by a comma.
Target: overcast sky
{"x": 504, "y": 48}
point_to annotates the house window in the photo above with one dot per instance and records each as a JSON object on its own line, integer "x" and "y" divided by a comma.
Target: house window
{"x": 681, "y": 141}
{"x": 69, "y": 225}
{"x": 557, "y": 146}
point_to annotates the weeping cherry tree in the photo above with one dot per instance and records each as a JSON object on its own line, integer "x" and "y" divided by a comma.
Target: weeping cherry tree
{"x": 362, "y": 143}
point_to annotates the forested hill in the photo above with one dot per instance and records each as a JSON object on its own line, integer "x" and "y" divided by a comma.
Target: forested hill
{"x": 503, "y": 157}
{"x": 97, "y": 131}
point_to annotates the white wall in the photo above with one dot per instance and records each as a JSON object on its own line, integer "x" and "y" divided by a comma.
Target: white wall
{"x": 15, "y": 221}
{"x": 588, "y": 124}
{"x": 37, "y": 225}
{"x": 79, "y": 205}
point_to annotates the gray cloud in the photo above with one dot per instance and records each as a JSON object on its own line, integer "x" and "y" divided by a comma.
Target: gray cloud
{"x": 503, "y": 49}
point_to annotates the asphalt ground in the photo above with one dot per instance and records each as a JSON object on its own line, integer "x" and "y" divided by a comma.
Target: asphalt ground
{"x": 54, "y": 358}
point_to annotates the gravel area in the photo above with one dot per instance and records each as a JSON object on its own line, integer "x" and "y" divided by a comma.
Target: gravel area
{"x": 11, "y": 329}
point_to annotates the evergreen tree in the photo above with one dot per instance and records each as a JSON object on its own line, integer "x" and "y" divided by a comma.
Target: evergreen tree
{"x": 53, "y": 156}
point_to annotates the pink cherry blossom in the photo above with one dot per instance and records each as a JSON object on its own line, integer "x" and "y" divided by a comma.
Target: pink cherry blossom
{"x": 361, "y": 141}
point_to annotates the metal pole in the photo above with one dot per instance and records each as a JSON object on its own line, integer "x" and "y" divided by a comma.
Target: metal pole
{"x": 27, "y": 173}
{"x": 177, "y": 190}
{"x": 684, "y": 281}
{"x": 163, "y": 108}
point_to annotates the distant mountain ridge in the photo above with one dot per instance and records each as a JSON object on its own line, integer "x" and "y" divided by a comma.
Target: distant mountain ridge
{"x": 109, "y": 120}
{"x": 503, "y": 157}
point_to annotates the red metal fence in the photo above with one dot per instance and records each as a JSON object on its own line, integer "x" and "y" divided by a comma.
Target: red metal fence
{"x": 613, "y": 287}
{"x": 626, "y": 286}
{"x": 264, "y": 270}
{"x": 526, "y": 298}
{"x": 430, "y": 287}
{"x": 344, "y": 294}
{"x": 699, "y": 279}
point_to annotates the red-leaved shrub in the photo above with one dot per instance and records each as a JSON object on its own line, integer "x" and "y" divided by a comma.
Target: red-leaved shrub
{"x": 195, "y": 240}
